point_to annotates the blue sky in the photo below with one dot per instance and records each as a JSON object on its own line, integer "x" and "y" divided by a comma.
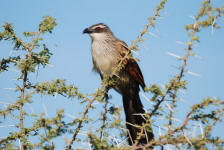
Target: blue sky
{"x": 71, "y": 49}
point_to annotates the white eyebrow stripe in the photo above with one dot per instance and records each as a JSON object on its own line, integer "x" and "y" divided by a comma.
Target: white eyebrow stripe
{"x": 100, "y": 25}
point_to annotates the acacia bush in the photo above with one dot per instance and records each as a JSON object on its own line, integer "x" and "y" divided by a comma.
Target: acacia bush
{"x": 41, "y": 134}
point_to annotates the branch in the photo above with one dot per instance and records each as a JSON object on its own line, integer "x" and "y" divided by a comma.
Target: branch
{"x": 99, "y": 91}
{"x": 104, "y": 117}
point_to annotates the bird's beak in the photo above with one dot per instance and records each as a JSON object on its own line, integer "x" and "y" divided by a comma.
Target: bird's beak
{"x": 87, "y": 30}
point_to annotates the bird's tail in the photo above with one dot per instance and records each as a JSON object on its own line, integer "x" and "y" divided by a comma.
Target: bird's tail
{"x": 133, "y": 109}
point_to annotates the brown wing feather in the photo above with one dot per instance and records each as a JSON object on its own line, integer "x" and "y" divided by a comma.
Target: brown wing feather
{"x": 131, "y": 65}
{"x": 134, "y": 70}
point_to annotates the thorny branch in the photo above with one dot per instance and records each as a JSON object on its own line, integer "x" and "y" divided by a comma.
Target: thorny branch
{"x": 99, "y": 91}
{"x": 177, "y": 79}
{"x": 25, "y": 65}
{"x": 104, "y": 117}
{"x": 22, "y": 90}
{"x": 21, "y": 104}
{"x": 171, "y": 90}
{"x": 134, "y": 46}
{"x": 166, "y": 139}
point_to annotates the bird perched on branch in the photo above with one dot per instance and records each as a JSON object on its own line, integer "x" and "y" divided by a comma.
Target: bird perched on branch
{"x": 109, "y": 54}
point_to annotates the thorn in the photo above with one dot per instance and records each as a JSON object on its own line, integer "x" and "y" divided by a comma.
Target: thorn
{"x": 5, "y": 103}
{"x": 132, "y": 124}
{"x": 90, "y": 146}
{"x": 55, "y": 96}
{"x": 146, "y": 135}
{"x": 45, "y": 109}
{"x": 165, "y": 13}
{"x": 187, "y": 138}
{"x": 128, "y": 134}
{"x": 84, "y": 134}
{"x": 162, "y": 86}
{"x": 194, "y": 131}
{"x": 116, "y": 140}
{"x": 70, "y": 116}
{"x": 20, "y": 146}
{"x": 124, "y": 141}
{"x": 193, "y": 74}
{"x": 174, "y": 55}
{"x": 159, "y": 131}
{"x": 181, "y": 99}
{"x": 145, "y": 110}
{"x": 182, "y": 91}
{"x": 136, "y": 53}
{"x": 102, "y": 134}
{"x": 153, "y": 35}
{"x": 168, "y": 106}
{"x": 212, "y": 27}
{"x": 202, "y": 132}
{"x": 36, "y": 68}
{"x": 14, "y": 79}
{"x": 7, "y": 126}
{"x": 31, "y": 108}
{"x": 14, "y": 70}
{"x": 95, "y": 103}
{"x": 168, "y": 148}
{"x": 142, "y": 115}
{"x": 145, "y": 47}
{"x": 49, "y": 65}
{"x": 9, "y": 89}
{"x": 192, "y": 17}
{"x": 182, "y": 43}
{"x": 11, "y": 53}
{"x": 197, "y": 56}
{"x": 145, "y": 97}
{"x": 177, "y": 120}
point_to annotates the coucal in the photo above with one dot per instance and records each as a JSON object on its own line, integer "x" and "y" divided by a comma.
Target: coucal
{"x": 106, "y": 51}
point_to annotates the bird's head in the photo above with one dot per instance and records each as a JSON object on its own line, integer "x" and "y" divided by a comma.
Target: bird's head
{"x": 98, "y": 31}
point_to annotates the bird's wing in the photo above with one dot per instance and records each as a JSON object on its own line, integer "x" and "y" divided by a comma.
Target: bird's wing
{"x": 131, "y": 65}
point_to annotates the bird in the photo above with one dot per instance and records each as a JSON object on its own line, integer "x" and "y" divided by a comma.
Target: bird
{"x": 106, "y": 51}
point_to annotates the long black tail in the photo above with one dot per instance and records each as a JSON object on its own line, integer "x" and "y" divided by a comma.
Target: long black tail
{"x": 133, "y": 108}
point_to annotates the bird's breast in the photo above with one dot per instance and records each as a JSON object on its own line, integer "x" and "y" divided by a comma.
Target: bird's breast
{"x": 104, "y": 57}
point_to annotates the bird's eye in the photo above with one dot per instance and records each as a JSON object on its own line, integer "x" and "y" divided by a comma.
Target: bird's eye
{"x": 98, "y": 29}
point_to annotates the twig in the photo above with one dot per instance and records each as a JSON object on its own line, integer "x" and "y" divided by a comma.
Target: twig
{"x": 84, "y": 116}
{"x": 104, "y": 117}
